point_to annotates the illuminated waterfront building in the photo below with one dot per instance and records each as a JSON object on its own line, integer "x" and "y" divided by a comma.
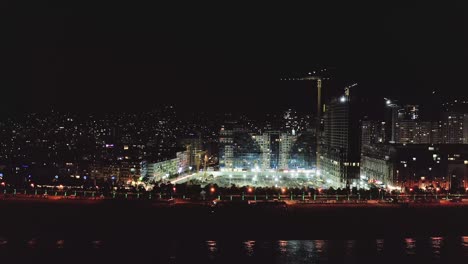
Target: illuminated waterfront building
{"x": 165, "y": 169}
{"x": 423, "y": 165}
{"x": 241, "y": 150}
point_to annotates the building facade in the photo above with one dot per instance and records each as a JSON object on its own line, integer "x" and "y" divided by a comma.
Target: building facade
{"x": 120, "y": 172}
{"x": 415, "y": 132}
{"x": 416, "y": 165}
{"x": 165, "y": 169}
{"x": 241, "y": 150}
{"x": 340, "y": 142}
{"x": 454, "y": 127}
{"x": 373, "y": 132}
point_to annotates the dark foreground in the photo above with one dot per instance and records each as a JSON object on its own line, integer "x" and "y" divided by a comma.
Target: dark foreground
{"x": 135, "y": 232}
{"x": 135, "y": 219}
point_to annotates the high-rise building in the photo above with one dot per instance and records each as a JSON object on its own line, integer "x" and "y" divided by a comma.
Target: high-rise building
{"x": 414, "y": 132}
{"x": 453, "y": 128}
{"x": 436, "y": 137}
{"x": 373, "y": 132}
{"x": 291, "y": 121}
{"x": 408, "y": 112}
{"x": 396, "y": 115}
{"x": 340, "y": 142}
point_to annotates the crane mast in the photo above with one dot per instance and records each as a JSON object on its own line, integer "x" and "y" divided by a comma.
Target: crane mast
{"x": 312, "y": 76}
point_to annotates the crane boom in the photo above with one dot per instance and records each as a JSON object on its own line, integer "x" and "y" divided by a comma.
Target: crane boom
{"x": 312, "y": 76}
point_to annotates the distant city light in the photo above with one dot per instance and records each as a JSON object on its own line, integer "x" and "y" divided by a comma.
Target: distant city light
{"x": 342, "y": 99}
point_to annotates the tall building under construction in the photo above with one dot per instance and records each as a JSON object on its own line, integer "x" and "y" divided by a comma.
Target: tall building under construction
{"x": 340, "y": 142}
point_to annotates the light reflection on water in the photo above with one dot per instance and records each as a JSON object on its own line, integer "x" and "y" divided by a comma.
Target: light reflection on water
{"x": 282, "y": 246}
{"x": 379, "y": 245}
{"x": 319, "y": 245}
{"x": 406, "y": 250}
{"x": 350, "y": 247}
{"x": 249, "y": 247}
{"x": 410, "y": 247}
{"x": 465, "y": 241}
{"x": 212, "y": 248}
{"x": 393, "y": 250}
{"x": 436, "y": 243}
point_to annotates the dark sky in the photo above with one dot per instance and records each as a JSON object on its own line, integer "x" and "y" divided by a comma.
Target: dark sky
{"x": 225, "y": 58}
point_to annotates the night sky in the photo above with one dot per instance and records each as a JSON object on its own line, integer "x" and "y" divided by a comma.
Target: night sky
{"x": 230, "y": 58}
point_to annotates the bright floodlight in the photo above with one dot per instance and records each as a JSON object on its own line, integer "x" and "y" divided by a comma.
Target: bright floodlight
{"x": 389, "y": 102}
{"x": 342, "y": 99}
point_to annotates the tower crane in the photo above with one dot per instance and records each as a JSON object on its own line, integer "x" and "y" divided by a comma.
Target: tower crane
{"x": 198, "y": 159}
{"x": 349, "y": 87}
{"x": 318, "y": 77}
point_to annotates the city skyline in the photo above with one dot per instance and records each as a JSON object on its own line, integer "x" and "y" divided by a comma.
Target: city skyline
{"x": 202, "y": 133}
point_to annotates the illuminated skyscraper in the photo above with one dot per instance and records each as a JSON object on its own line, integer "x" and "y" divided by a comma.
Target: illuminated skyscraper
{"x": 454, "y": 128}
{"x": 340, "y": 154}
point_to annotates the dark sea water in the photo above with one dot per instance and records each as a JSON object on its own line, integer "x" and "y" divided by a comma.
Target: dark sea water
{"x": 187, "y": 250}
